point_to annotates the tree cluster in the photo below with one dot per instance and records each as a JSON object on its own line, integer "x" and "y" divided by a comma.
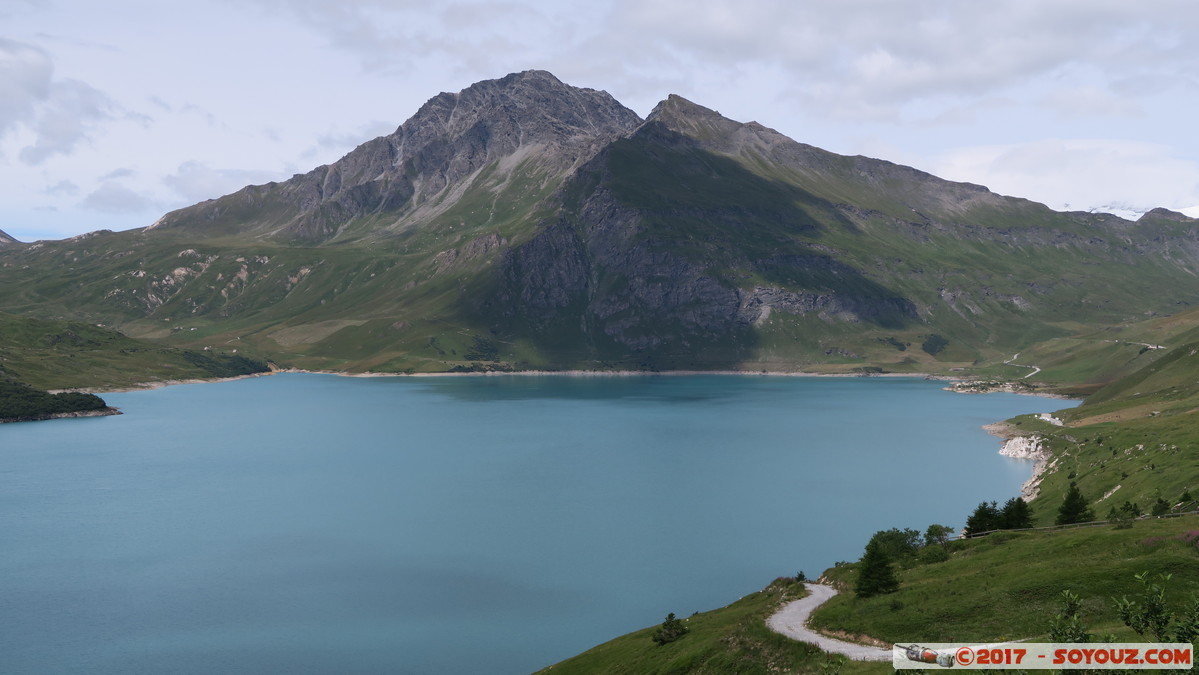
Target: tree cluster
{"x": 225, "y": 365}
{"x": 21, "y": 401}
{"x": 988, "y": 516}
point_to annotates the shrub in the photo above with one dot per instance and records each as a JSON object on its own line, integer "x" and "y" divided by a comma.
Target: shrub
{"x": 671, "y": 629}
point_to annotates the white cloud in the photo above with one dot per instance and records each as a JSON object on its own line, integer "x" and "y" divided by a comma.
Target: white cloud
{"x": 195, "y": 181}
{"x": 1088, "y": 101}
{"x": 115, "y": 199}
{"x": 123, "y": 172}
{"x": 1079, "y": 174}
{"x": 61, "y": 113}
{"x": 25, "y": 73}
{"x": 63, "y": 188}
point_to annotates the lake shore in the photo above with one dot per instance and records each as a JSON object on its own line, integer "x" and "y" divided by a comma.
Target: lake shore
{"x": 958, "y": 385}
{"x": 102, "y": 412}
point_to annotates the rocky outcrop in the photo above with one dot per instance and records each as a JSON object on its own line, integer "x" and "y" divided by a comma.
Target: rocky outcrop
{"x": 1030, "y": 448}
{"x": 651, "y": 272}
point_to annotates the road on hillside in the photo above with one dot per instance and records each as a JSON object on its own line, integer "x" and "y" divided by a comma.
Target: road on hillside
{"x": 791, "y": 620}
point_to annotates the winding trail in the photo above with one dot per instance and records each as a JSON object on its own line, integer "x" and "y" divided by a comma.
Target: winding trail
{"x": 791, "y": 620}
{"x": 1035, "y": 369}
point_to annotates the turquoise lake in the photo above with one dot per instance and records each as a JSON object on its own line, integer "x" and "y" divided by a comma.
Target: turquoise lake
{"x": 320, "y": 524}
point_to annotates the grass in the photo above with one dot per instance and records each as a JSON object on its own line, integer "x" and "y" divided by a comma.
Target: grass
{"x": 71, "y": 355}
{"x": 732, "y": 639}
{"x": 1008, "y": 585}
{"x": 1000, "y": 587}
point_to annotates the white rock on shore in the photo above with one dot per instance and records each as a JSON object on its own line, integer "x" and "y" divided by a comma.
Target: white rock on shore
{"x": 1028, "y": 447}
{"x": 1023, "y": 447}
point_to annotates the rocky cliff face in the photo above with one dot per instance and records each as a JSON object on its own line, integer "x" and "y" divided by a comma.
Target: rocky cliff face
{"x": 645, "y": 258}
{"x": 529, "y": 120}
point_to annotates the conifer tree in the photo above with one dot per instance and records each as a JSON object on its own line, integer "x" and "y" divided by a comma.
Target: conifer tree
{"x": 984, "y": 519}
{"x": 1015, "y": 515}
{"x": 1074, "y": 508}
{"x": 876, "y": 575}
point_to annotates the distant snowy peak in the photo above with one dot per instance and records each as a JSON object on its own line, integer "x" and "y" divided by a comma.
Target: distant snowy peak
{"x": 1134, "y": 214}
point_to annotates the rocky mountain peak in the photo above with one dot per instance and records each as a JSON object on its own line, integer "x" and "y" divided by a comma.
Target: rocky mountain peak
{"x": 691, "y": 119}
{"x": 534, "y": 104}
{"x": 1166, "y": 214}
{"x": 530, "y": 122}
{"x": 6, "y": 240}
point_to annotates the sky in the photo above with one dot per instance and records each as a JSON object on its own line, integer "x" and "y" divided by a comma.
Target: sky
{"x": 114, "y": 113}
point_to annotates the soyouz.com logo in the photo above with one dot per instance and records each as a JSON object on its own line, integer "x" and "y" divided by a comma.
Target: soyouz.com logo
{"x": 1045, "y": 655}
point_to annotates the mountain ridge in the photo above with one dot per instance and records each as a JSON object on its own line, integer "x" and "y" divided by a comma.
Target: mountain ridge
{"x": 524, "y": 223}
{"x": 522, "y": 117}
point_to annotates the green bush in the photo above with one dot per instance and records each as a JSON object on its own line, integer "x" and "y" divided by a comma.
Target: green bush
{"x": 671, "y": 629}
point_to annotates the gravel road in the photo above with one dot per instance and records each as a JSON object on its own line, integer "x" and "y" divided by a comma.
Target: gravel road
{"x": 790, "y": 620}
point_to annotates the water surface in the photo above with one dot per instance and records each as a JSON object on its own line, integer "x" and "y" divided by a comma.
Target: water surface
{"x": 317, "y": 524}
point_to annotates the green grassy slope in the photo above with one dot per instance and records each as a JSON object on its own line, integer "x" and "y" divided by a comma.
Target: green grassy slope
{"x": 732, "y": 639}
{"x": 1008, "y": 586}
{"x": 63, "y": 354}
{"x": 1135, "y": 438}
{"x": 999, "y": 587}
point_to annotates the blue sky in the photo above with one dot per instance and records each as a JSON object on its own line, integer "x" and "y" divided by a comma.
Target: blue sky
{"x": 114, "y": 113}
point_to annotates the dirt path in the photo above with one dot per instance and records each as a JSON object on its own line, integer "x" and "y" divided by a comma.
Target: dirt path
{"x": 792, "y": 618}
{"x": 1035, "y": 369}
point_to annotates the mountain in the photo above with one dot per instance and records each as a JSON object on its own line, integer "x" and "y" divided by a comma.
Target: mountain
{"x": 6, "y": 240}
{"x": 524, "y": 223}
{"x": 511, "y": 139}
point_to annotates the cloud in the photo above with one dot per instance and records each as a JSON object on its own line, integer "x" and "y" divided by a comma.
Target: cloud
{"x": 25, "y": 73}
{"x": 66, "y": 119}
{"x": 1080, "y": 174}
{"x": 115, "y": 199}
{"x": 874, "y": 56}
{"x": 63, "y": 188}
{"x": 1087, "y": 101}
{"x": 117, "y": 173}
{"x": 856, "y": 58}
{"x": 345, "y": 141}
{"x": 61, "y": 113}
{"x": 196, "y": 181}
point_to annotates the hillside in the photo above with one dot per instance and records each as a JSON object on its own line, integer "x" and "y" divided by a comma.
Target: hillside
{"x": 61, "y": 354}
{"x": 523, "y": 223}
{"x": 944, "y": 601}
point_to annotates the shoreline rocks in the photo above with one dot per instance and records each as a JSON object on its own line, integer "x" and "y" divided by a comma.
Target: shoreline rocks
{"x": 102, "y": 412}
